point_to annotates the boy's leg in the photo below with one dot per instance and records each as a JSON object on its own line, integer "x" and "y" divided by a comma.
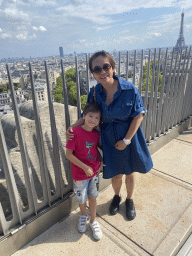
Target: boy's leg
{"x": 83, "y": 209}
{"x": 92, "y": 208}
{"x": 80, "y": 188}
{"x": 92, "y": 195}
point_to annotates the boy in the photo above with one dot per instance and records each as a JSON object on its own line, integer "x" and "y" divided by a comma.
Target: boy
{"x": 82, "y": 152}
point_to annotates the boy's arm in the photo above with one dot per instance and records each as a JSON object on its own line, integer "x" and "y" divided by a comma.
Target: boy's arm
{"x": 73, "y": 159}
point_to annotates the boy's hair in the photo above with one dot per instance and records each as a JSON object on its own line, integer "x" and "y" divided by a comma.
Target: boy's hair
{"x": 91, "y": 107}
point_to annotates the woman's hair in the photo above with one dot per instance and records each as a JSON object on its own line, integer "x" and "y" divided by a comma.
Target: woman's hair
{"x": 91, "y": 107}
{"x": 103, "y": 54}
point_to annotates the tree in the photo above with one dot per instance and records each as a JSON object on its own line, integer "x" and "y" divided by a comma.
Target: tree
{"x": 58, "y": 90}
{"x": 72, "y": 95}
{"x": 59, "y": 81}
{"x": 83, "y": 101}
{"x": 70, "y": 83}
{"x": 145, "y": 68}
{"x": 70, "y": 74}
{"x": 16, "y": 86}
{"x": 58, "y": 98}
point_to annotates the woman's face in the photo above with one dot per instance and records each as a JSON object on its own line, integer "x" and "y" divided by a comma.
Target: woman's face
{"x": 105, "y": 76}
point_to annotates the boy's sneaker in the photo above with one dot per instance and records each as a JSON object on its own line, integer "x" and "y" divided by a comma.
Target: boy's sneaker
{"x": 97, "y": 233}
{"x": 82, "y": 226}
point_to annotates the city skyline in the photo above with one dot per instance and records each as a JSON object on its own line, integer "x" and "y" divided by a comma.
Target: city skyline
{"x": 32, "y": 28}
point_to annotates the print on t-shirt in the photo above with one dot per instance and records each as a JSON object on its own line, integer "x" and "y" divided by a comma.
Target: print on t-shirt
{"x": 89, "y": 146}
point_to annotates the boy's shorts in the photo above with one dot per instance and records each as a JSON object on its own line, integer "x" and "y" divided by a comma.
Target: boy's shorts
{"x": 84, "y": 188}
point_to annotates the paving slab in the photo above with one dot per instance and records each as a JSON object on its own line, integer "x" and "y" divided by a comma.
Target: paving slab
{"x": 186, "y": 135}
{"x": 64, "y": 239}
{"x": 175, "y": 159}
{"x": 159, "y": 205}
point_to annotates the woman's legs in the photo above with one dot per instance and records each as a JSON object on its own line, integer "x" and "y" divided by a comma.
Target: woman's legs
{"x": 129, "y": 205}
{"x": 116, "y": 184}
{"x": 130, "y": 184}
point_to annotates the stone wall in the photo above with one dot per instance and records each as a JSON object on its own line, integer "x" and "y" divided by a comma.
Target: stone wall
{"x": 29, "y": 130}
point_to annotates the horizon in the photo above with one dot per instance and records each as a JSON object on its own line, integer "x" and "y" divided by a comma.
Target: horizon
{"x": 37, "y": 29}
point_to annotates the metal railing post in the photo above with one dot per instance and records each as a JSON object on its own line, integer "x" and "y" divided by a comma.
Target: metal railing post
{"x": 78, "y": 89}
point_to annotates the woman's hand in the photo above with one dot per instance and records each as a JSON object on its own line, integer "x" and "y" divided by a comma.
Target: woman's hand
{"x": 69, "y": 134}
{"x": 100, "y": 167}
{"x": 120, "y": 145}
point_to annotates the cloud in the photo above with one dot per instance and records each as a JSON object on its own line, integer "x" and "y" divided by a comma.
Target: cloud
{"x": 30, "y": 2}
{"x": 35, "y": 28}
{"x": 24, "y": 36}
{"x": 5, "y": 35}
{"x": 44, "y": 2}
{"x": 99, "y": 11}
{"x": 1, "y": 30}
{"x": 188, "y": 27}
{"x": 41, "y": 28}
{"x": 103, "y": 28}
{"x": 157, "y": 34}
{"x": 21, "y": 27}
{"x": 14, "y": 14}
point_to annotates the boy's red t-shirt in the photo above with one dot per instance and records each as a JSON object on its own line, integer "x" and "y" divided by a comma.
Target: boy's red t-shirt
{"x": 84, "y": 145}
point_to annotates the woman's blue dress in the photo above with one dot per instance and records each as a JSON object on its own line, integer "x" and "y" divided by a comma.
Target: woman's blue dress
{"x": 116, "y": 117}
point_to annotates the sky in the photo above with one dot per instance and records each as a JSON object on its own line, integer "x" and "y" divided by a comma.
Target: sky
{"x": 36, "y": 28}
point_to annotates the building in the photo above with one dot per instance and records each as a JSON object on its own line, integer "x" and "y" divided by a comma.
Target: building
{"x": 5, "y": 98}
{"x": 40, "y": 90}
{"x": 61, "y": 51}
{"x": 181, "y": 41}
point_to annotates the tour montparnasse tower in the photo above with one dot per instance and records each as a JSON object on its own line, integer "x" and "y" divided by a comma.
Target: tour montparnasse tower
{"x": 181, "y": 41}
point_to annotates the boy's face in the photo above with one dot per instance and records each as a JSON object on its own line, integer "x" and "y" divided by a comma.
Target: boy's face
{"x": 92, "y": 119}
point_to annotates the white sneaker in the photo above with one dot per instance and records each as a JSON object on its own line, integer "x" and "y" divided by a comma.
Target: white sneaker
{"x": 97, "y": 233}
{"x": 82, "y": 226}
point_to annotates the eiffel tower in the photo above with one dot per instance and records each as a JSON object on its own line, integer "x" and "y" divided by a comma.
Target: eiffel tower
{"x": 181, "y": 41}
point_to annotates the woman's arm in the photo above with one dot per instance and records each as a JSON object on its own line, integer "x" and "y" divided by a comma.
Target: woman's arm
{"x": 69, "y": 131}
{"x": 120, "y": 145}
{"x": 101, "y": 161}
{"x": 134, "y": 127}
{"x": 73, "y": 159}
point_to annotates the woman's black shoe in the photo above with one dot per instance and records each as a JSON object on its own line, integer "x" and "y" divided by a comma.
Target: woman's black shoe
{"x": 114, "y": 207}
{"x": 130, "y": 209}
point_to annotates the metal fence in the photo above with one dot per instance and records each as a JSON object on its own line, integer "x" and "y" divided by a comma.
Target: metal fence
{"x": 165, "y": 109}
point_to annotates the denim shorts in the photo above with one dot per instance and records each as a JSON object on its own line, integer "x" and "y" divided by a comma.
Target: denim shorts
{"x": 84, "y": 188}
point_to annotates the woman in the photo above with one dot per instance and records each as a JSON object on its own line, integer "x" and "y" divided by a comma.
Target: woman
{"x": 123, "y": 144}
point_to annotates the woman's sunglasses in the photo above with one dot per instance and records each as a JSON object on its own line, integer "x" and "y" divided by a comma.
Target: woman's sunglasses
{"x": 97, "y": 69}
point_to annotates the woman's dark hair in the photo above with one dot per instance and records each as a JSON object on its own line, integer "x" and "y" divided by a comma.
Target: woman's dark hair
{"x": 91, "y": 107}
{"x": 103, "y": 54}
